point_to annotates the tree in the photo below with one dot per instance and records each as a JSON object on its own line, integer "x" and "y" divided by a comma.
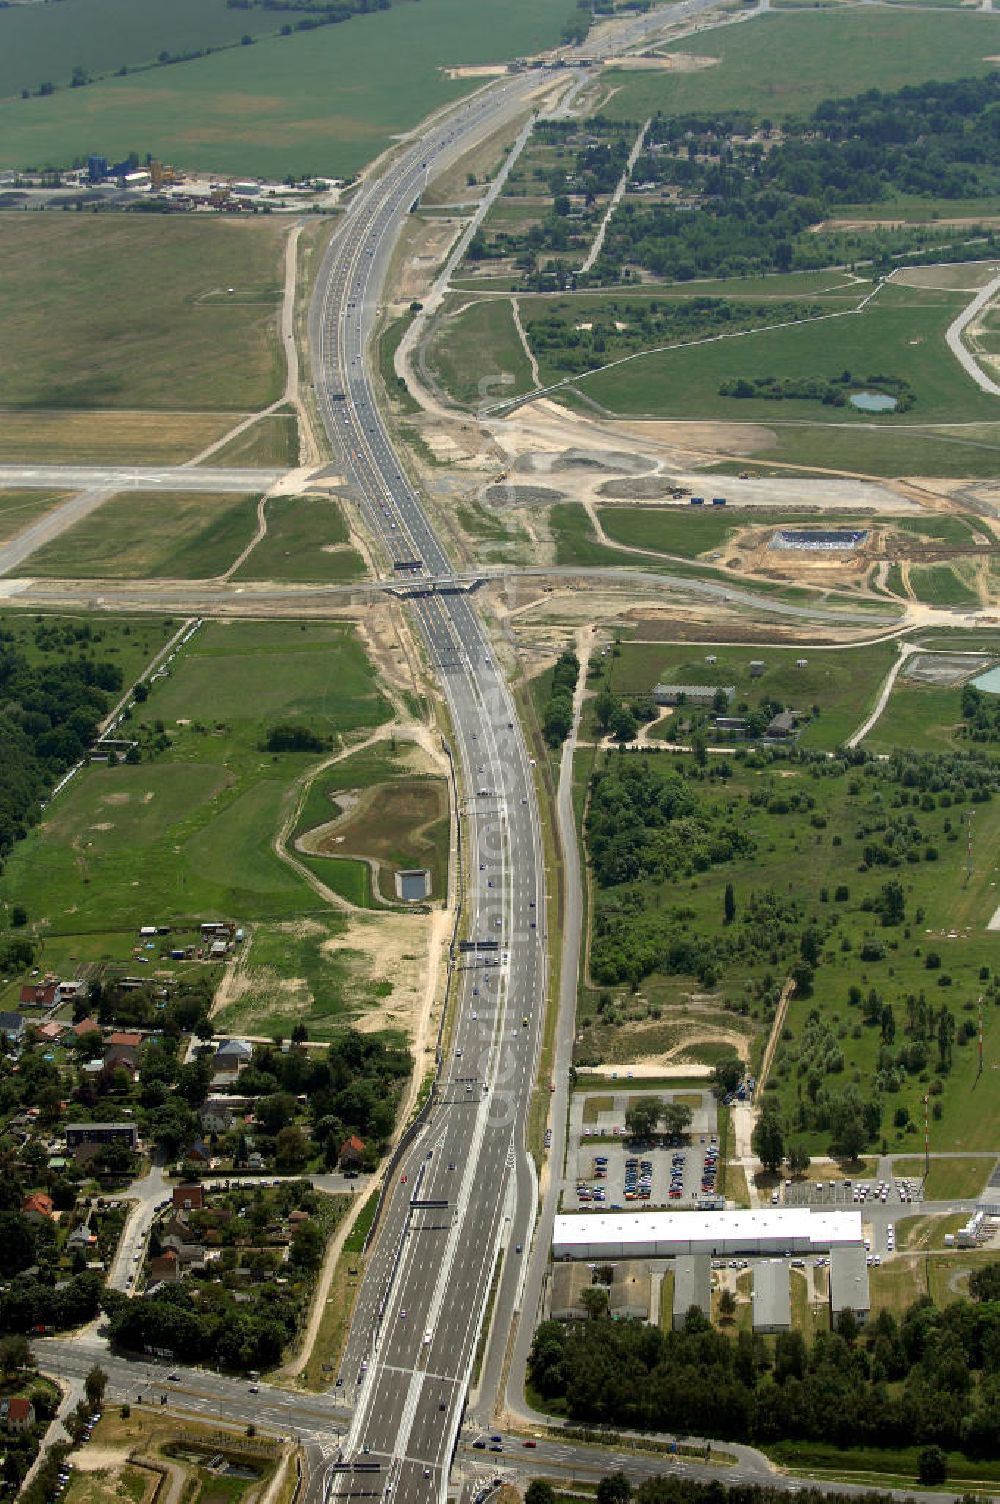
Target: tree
{"x": 642, "y": 1116}
{"x": 614, "y": 1489}
{"x": 675, "y": 1118}
{"x": 729, "y": 904}
{"x": 307, "y": 1246}
{"x": 594, "y": 1300}
{"x": 291, "y": 1148}
{"x": 984, "y": 1283}
{"x": 932, "y": 1466}
{"x": 14, "y": 1354}
{"x": 891, "y": 903}
{"x": 623, "y": 725}
{"x": 768, "y": 1139}
{"x": 94, "y": 1386}
{"x": 727, "y": 1075}
{"x": 798, "y": 1159}
{"x": 540, "y": 1492}
{"x": 727, "y": 1305}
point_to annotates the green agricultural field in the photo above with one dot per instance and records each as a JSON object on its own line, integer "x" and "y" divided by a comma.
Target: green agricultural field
{"x": 40, "y": 43}
{"x": 188, "y": 831}
{"x": 306, "y": 540}
{"x": 949, "y": 1179}
{"x": 150, "y": 535}
{"x": 786, "y": 64}
{"x": 474, "y": 355}
{"x": 901, "y": 334}
{"x": 951, "y": 530}
{"x": 843, "y": 682}
{"x": 19, "y": 509}
{"x": 325, "y": 102}
{"x": 128, "y": 311}
{"x": 939, "y": 585}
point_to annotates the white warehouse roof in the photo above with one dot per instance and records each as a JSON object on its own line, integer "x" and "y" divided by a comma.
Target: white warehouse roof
{"x": 665, "y": 1234}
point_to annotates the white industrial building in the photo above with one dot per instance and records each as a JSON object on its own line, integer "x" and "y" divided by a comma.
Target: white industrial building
{"x": 655, "y": 1235}
{"x": 772, "y": 1296}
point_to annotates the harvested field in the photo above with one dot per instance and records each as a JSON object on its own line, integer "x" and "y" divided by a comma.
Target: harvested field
{"x": 83, "y": 438}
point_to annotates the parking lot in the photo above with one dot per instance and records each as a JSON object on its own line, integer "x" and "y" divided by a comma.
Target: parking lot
{"x": 610, "y": 1172}
{"x": 860, "y": 1193}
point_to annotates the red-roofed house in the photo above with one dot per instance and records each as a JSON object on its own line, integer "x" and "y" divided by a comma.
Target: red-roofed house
{"x": 37, "y": 1205}
{"x": 86, "y": 1026}
{"x": 52, "y": 1031}
{"x": 352, "y": 1153}
{"x": 17, "y": 1413}
{"x": 38, "y": 994}
{"x": 127, "y": 1041}
{"x": 188, "y": 1198}
{"x": 165, "y": 1266}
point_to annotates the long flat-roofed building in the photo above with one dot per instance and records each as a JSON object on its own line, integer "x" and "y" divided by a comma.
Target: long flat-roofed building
{"x": 772, "y": 1296}
{"x": 655, "y": 1235}
{"x": 849, "y": 1284}
{"x": 692, "y": 1287}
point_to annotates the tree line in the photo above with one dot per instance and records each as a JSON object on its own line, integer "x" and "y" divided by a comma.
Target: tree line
{"x": 932, "y": 1377}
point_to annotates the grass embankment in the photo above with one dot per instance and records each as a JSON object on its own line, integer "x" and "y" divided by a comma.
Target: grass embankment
{"x": 476, "y": 356}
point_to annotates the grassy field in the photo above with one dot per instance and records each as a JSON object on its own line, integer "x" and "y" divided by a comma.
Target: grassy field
{"x": 948, "y": 1179}
{"x": 859, "y": 1463}
{"x": 19, "y": 509}
{"x": 325, "y": 102}
{"x": 128, "y": 641}
{"x": 306, "y": 539}
{"x": 82, "y": 329}
{"x": 87, "y": 438}
{"x": 39, "y": 42}
{"x": 190, "y": 832}
{"x": 843, "y": 682}
{"x": 272, "y": 441}
{"x": 919, "y": 716}
{"x": 473, "y": 355}
{"x": 900, "y": 334}
{"x": 150, "y": 535}
{"x": 860, "y": 449}
{"x": 786, "y": 64}
{"x": 691, "y": 531}
{"x": 940, "y": 585}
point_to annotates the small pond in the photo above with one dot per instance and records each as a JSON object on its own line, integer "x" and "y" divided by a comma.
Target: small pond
{"x": 873, "y": 402}
{"x": 989, "y": 682}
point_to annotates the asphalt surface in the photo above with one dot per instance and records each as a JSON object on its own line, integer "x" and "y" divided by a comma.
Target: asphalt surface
{"x": 111, "y": 478}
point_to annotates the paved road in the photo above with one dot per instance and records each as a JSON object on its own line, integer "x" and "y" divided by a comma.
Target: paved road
{"x": 960, "y": 350}
{"x": 112, "y": 478}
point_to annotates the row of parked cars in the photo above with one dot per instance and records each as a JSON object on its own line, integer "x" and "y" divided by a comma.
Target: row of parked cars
{"x": 710, "y": 1169}
{"x": 638, "y": 1179}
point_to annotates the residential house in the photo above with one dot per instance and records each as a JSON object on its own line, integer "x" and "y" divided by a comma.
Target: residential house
{"x": 37, "y": 1206}
{"x": 232, "y": 1055}
{"x": 188, "y": 1198}
{"x": 39, "y": 994}
{"x": 70, "y": 992}
{"x": 189, "y": 1254}
{"x": 50, "y": 1032}
{"x": 16, "y": 1413}
{"x": 198, "y": 1152}
{"x": 782, "y": 725}
{"x": 101, "y": 1133}
{"x": 86, "y": 1026}
{"x": 122, "y": 1050}
{"x": 166, "y": 1266}
{"x": 216, "y": 1114}
{"x": 352, "y": 1153}
{"x": 12, "y": 1024}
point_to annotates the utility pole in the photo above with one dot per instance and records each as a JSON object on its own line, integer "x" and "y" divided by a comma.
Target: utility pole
{"x": 927, "y": 1136}
{"x": 968, "y": 854}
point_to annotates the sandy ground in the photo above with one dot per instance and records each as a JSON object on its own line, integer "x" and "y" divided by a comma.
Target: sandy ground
{"x": 674, "y": 62}
{"x": 651, "y": 1067}
{"x": 478, "y": 70}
